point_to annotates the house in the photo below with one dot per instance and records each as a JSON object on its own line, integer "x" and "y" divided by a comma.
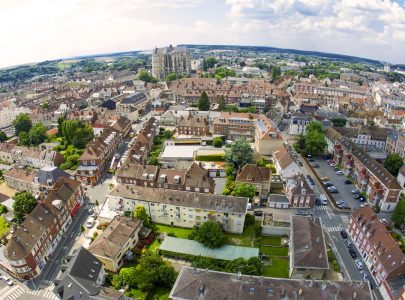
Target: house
{"x": 401, "y": 177}
{"x": 194, "y": 178}
{"x": 130, "y": 105}
{"x": 379, "y": 251}
{"x": 259, "y": 177}
{"x": 298, "y": 124}
{"x": 308, "y": 257}
{"x": 369, "y": 138}
{"x": 192, "y": 284}
{"x": 285, "y": 164}
{"x": 36, "y": 238}
{"x": 21, "y": 180}
{"x": 47, "y": 177}
{"x": 82, "y": 278}
{"x": 299, "y": 193}
{"x": 116, "y": 241}
{"x": 192, "y": 126}
{"x": 139, "y": 150}
{"x": 181, "y": 208}
{"x": 380, "y": 186}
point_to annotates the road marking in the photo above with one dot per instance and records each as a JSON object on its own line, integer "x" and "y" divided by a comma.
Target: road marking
{"x": 329, "y": 216}
{"x": 333, "y": 229}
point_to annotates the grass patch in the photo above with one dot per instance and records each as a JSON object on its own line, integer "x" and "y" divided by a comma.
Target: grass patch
{"x": 4, "y": 227}
{"x": 332, "y": 260}
{"x": 277, "y": 251}
{"x": 154, "y": 247}
{"x": 214, "y": 157}
{"x": 278, "y": 268}
{"x": 182, "y": 233}
{"x": 270, "y": 240}
{"x": 247, "y": 239}
{"x": 161, "y": 293}
{"x": 136, "y": 294}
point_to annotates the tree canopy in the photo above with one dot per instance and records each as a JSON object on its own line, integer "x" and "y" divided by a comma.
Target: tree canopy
{"x": 37, "y": 134}
{"x": 221, "y": 103}
{"x": 22, "y": 123}
{"x": 140, "y": 214}
{"x": 210, "y": 234}
{"x": 339, "y": 122}
{"x": 171, "y": 77}
{"x": 145, "y": 76}
{"x": 24, "y": 203}
{"x": 398, "y": 216}
{"x": 393, "y": 163}
{"x": 315, "y": 140}
{"x": 3, "y": 136}
{"x": 204, "y": 102}
{"x": 217, "y": 142}
{"x": 239, "y": 153}
{"x": 252, "y": 266}
{"x": 244, "y": 190}
{"x": 76, "y": 133}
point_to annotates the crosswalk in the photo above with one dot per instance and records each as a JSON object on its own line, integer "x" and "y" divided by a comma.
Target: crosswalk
{"x": 17, "y": 292}
{"x": 322, "y": 207}
{"x": 345, "y": 219}
{"x": 333, "y": 229}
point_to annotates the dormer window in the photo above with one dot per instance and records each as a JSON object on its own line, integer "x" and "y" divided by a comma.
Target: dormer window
{"x": 249, "y": 178}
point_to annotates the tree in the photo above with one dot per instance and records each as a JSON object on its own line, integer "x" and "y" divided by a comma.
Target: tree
{"x": 204, "y": 102}
{"x": 24, "y": 203}
{"x": 275, "y": 73}
{"x": 393, "y": 163}
{"x": 217, "y": 142}
{"x": 3, "y": 136}
{"x": 22, "y": 123}
{"x": 210, "y": 62}
{"x": 140, "y": 214}
{"x": 339, "y": 122}
{"x": 76, "y": 133}
{"x": 221, "y": 103}
{"x": 37, "y": 134}
{"x": 145, "y": 76}
{"x": 171, "y": 77}
{"x": 244, "y": 190}
{"x": 239, "y": 153}
{"x": 315, "y": 143}
{"x": 210, "y": 234}
{"x": 24, "y": 138}
{"x": 82, "y": 229}
{"x": 398, "y": 216}
{"x": 315, "y": 126}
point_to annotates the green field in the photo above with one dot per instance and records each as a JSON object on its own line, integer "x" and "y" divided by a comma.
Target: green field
{"x": 154, "y": 246}
{"x": 4, "y": 227}
{"x": 178, "y": 232}
{"x": 278, "y": 268}
{"x": 161, "y": 293}
{"x": 136, "y": 294}
{"x": 247, "y": 239}
{"x": 270, "y": 240}
{"x": 277, "y": 251}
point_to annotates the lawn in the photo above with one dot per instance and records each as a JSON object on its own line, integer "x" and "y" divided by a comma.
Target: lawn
{"x": 136, "y": 294}
{"x": 154, "y": 246}
{"x": 161, "y": 293}
{"x": 270, "y": 240}
{"x": 279, "y": 267}
{"x": 247, "y": 239}
{"x": 178, "y": 232}
{"x": 4, "y": 227}
{"x": 277, "y": 251}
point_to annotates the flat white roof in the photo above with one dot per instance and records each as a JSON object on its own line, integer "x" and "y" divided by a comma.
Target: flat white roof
{"x": 184, "y": 152}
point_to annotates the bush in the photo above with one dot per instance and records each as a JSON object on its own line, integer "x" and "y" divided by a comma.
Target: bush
{"x": 3, "y": 209}
{"x": 217, "y": 142}
{"x": 171, "y": 233}
{"x": 249, "y": 219}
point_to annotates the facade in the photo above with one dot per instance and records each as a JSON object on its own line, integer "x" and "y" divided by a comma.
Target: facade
{"x": 378, "y": 249}
{"x": 129, "y": 106}
{"x": 34, "y": 241}
{"x": 192, "y": 126}
{"x": 285, "y": 165}
{"x": 380, "y": 186}
{"x": 20, "y": 180}
{"x": 119, "y": 238}
{"x": 396, "y": 143}
{"x": 138, "y": 153}
{"x": 194, "y": 178}
{"x": 181, "y": 208}
{"x": 401, "y": 177}
{"x": 299, "y": 193}
{"x": 9, "y": 114}
{"x": 170, "y": 60}
{"x": 298, "y": 124}
{"x": 369, "y": 138}
{"x": 192, "y": 284}
{"x": 308, "y": 257}
{"x": 259, "y": 177}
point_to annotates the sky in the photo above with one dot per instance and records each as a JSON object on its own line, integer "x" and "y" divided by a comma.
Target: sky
{"x": 40, "y": 30}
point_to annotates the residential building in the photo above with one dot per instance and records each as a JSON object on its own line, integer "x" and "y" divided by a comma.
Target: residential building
{"x": 259, "y": 177}
{"x": 369, "y": 138}
{"x": 194, "y": 178}
{"x": 192, "y": 126}
{"x": 47, "y": 177}
{"x": 285, "y": 164}
{"x": 36, "y": 238}
{"x": 130, "y": 105}
{"x": 9, "y": 114}
{"x": 379, "y": 251}
{"x": 299, "y": 193}
{"x": 396, "y": 143}
{"x": 252, "y": 127}
{"x": 181, "y": 208}
{"x": 401, "y": 177}
{"x": 380, "y": 186}
{"x": 170, "y": 60}
{"x": 83, "y": 277}
{"x": 35, "y": 157}
{"x": 21, "y": 180}
{"x": 192, "y": 284}
{"x": 308, "y": 257}
{"x": 298, "y": 124}
{"x": 116, "y": 242}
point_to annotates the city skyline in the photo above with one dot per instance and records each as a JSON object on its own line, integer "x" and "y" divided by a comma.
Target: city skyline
{"x": 47, "y": 30}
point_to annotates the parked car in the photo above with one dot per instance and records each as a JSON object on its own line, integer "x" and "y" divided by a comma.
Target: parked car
{"x": 333, "y": 190}
{"x": 258, "y": 213}
{"x": 339, "y": 172}
{"x": 90, "y": 222}
{"x": 325, "y": 178}
{"x": 362, "y": 199}
{"x": 352, "y": 253}
{"x": 347, "y": 181}
{"x": 357, "y": 196}
{"x": 300, "y": 164}
{"x": 315, "y": 166}
{"x": 309, "y": 177}
{"x": 311, "y": 159}
{"x": 7, "y": 280}
{"x": 328, "y": 184}
{"x": 355, "y": 191}
{"x": 364, "y": 204}
{"x": 343, "y": 233}
{"x": 318, "y": 202}
{"x": 90, "y": 211}
{"x": 348, "y": 244}
{"x": 359, "y": 264}
{"x": 302, "y": 213}
{"x": 364, "y": 275}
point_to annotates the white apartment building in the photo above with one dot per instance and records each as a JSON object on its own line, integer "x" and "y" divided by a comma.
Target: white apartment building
{"x": 181, "y": 208}
{"x": 298, "y": 124}
{"x": 8, "y": 115}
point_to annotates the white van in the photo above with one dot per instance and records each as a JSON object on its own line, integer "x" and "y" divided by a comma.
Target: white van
{"x": 90, "y": 222}
{"x": 324, "y": 200}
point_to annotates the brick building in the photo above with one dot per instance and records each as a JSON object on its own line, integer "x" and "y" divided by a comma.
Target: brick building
{"x": 192, "y": 126}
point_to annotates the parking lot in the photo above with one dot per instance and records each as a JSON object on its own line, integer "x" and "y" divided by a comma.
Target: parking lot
{"x": 344, "y": 190}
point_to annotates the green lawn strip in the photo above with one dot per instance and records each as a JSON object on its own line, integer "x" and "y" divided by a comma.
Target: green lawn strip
{"x": 178, "y": 232}
{"x": 277, "y": 251}
{"x": 279, "y": 268}
{"x": 244, "y": 240}
{"x": 4, "y": 227}
{"x": 161, "y": 293}
{"x": 270, "y": 240}
{"x": 136, "y": 294}
{"x": 154, "y": 247}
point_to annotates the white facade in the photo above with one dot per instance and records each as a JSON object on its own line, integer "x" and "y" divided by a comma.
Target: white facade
{"x": 7, "y": 116}
{"x": 298, "y": 125}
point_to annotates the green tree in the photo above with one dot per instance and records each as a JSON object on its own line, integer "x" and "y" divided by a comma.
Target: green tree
{"x": 77, "y": 133}
{"x": 231, "y": 108}
{"x": 275, "y": 73}
{"x": 37, "y": 134}
{"x": 145, "y": 76}
{"x": 393, "y": 163}
{"x": 22, "y": 123}
{"x": 82, "y": 229}
{"x": 244, "y": 190}
{"x": 239, "y": 153}
{"x": 338, "y": 122}
{"x": 3, "y": 136}
{"x": 60, "y": 124}
{"x": 171, "y": 77}
{"x": 210, "y": 62}
{"x": 299, "y": 143}
{"x": 140, "y": 214}
{"x": 315, "y": 143}
{"x": 217, "y": 142}
{"x": 314, "y": 126}
{"x": 204, "y": 102}
{"x": 24, "y": 203}
{"x": 210, "y": 234}
{"x": 221, "y": 103}
{"x": 24, "y": 138}
{"x": 398, "y": 216}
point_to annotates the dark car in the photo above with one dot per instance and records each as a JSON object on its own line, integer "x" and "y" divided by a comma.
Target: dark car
{"x": 318, "y": 202}
{"x": 358, "y": 196}
{"x": 309, "y": 177}
{"x": 343, "y": 233}
{"x": 347, "y": 181}
{"x": 353, "y": 253}
{"x": 362, "y": 199}
{"x": 333, "y": 191}
{"x": 328, "y": 184}
{"x": 258, "y": 213}
{"x": 311, "y": 159}
{"x": 315, "y": 166}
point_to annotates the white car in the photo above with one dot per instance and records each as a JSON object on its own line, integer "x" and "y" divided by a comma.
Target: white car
{"x": 7, "y": 280}
{"x": 90, "y": 222}
{"x": 339, "y": 172}
{"x": 359, "y": 264}
{"x": 364, "y": 204}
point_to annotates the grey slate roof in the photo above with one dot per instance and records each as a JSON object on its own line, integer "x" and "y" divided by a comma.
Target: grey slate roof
{"x": 50, "y": 174}
{"x": 134, "y": 98}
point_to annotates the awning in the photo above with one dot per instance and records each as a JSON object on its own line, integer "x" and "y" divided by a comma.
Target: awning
{"x": 75, "y": 209}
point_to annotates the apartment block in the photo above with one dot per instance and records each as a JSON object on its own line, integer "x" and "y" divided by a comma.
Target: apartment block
{"x": 192, "y": 126}
{"x": 299, "y": 193}
{"x": 259, "y": 177}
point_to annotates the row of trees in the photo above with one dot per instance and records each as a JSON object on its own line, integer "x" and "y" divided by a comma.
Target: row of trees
{"x": 29, "y": 135}
{"x": 314, "y": 142}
